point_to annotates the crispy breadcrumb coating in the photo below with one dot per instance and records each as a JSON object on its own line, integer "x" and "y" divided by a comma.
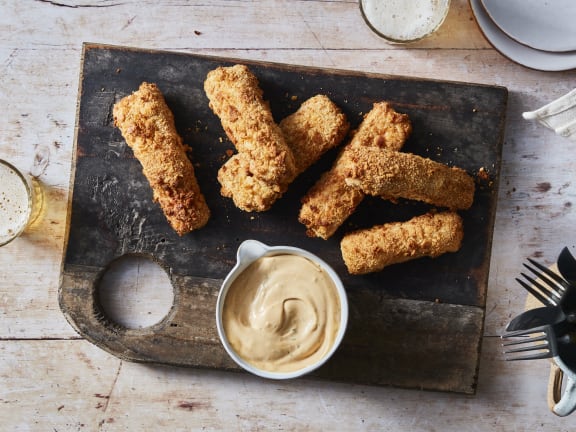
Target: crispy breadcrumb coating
{"x": 236, "y": 98}
{"x": 433, "y": 234}
{"x": 331, "y": 201}
{"x": 248, "y": 192}
{"x": 317, "y": 126}
{"x": 392, "y": 174}
{"x": 147, "y": 125}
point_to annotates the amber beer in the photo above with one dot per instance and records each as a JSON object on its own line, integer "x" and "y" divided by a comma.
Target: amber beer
{"x": 16, "y": 201}
{"x": 404, "y": 21}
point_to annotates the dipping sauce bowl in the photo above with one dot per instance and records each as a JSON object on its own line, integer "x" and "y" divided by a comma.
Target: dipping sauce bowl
{"x": 281, "y": 311}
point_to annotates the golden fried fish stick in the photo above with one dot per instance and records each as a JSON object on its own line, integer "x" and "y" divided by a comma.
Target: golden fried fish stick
{"x": 331, "y": 201}
{"x": 248, "y": 192}
{"x": 236, "y": 98}
{"x": 433, "y": 234}
{"x": 316, "y": 127}
{"x": 404, "y": 175}
{"x": 383, "y": 127}
{"x": 328, "y": 204}
{"x": 147, "y": 125}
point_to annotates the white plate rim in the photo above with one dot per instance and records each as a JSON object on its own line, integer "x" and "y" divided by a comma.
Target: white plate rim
{"x": 494, "y": 9}
{"x": 521, "y": 54}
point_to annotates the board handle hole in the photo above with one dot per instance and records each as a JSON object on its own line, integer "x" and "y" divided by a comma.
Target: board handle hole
{"x": 135, "y": 292}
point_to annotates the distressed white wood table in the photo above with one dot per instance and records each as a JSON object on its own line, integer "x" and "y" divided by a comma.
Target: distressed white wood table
{"x": 51, "y": 379}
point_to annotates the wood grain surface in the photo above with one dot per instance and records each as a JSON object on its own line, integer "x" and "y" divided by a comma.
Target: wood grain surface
{"x": 53, "y": 379}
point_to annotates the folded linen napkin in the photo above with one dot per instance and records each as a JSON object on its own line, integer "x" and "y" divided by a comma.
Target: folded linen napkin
{"x": 558, "y": 115}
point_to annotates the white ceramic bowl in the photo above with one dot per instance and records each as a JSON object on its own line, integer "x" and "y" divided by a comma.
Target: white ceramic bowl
{"x": 250, "y": 251}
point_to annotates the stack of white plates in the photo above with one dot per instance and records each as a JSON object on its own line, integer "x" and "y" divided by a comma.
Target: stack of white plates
{"x": 539, "y": 34}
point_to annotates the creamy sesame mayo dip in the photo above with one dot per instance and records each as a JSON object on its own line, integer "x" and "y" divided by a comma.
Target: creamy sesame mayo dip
{"x": 282, "y": 313}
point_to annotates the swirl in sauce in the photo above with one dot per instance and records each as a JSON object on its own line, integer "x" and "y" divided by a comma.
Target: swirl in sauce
{"x": 282, "y": 313}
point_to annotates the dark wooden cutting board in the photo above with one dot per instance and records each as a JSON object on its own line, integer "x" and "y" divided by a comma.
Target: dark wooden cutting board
{"x": 414, "y": 325}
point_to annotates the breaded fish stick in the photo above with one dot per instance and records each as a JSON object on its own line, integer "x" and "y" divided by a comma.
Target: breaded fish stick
{"x": 393, "y": 174}
{"x": 248, "y": 192}
{"x": 147, "y": 125}
{"x": 431, "y": 235}
{"x": 316, "y": 127}
{"x": 236, "y": 98}
{"x": 330, "y": 201}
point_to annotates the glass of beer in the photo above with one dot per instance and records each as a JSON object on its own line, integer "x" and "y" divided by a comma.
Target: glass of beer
{"x": 403, "y": 21}
{"x": 19, "y": 202}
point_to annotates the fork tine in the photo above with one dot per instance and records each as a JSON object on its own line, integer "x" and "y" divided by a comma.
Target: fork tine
{"x": 548, "y": 287}
{"x": 525, "y": 332}
{"x": 535, "y": 356}
{"x": 552, "y": 275}
{"x": 527, "y": 348}
{"x": 544, "y": 300}
{"x": 551, "y": 289}
{"x": 533, "y": 339}
{"x": 527, "y": 345}
{"x": 543, "y": 277}
{"x": 553, "y": 296}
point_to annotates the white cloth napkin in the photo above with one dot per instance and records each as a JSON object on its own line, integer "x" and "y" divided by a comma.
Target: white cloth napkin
{"x": 558, "y": 115}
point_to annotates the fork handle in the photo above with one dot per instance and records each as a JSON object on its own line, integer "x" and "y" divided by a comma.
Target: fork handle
{"x": 561, "y": 404}
{"x": 554, "y": 385}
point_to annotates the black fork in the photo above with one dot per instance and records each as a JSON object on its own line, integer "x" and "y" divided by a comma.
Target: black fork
{"x": 548, "y": 287}
{"x": 540, "y": 344}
